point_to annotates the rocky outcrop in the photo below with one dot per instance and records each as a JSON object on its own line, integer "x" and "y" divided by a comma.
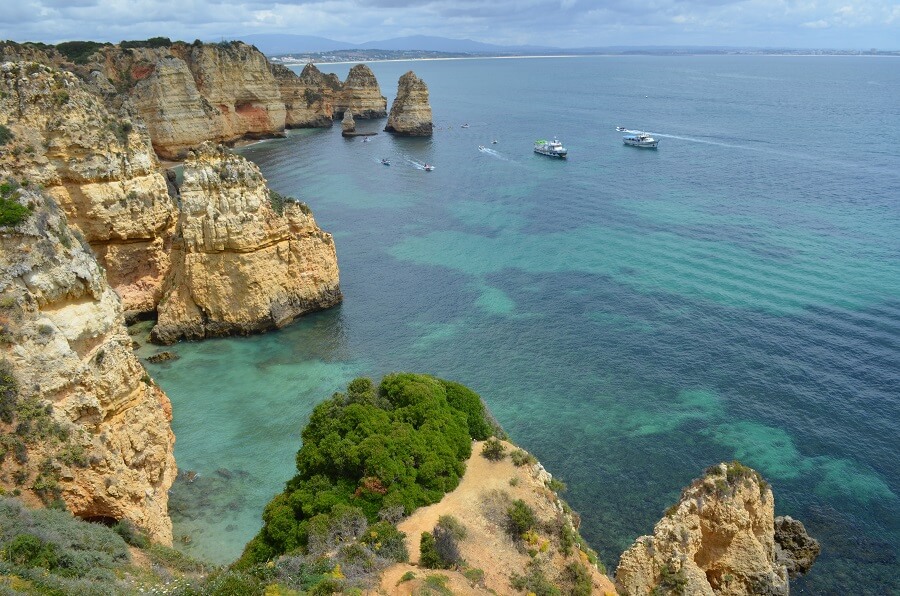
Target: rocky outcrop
{"x": 360, "y": 94}
{"x": 308, "y": 98}
{"x": 348, "y": 124}
{"x": 238, "y": 266}
{"x": 794, "y": 548}
{"x": 99, "y": 165}
{"x": 188, "y": 94}
{"x": 410, "y": 112}
{"x": 80, "y": 419}
{"x": 551, "y": 550}
{"x": 718, "y": 539}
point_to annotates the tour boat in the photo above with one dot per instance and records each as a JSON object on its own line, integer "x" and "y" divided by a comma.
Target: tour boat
{"x": 552, "y": 148}
{"x": 641, "y": 139}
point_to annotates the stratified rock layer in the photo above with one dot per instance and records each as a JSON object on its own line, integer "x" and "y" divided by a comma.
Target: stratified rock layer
{"x": 719, "y": 539}
{"x": 348, "y": 124}
{"x": 360, "y": 94}
{"x": 238, "y": 266}
{"x": 308, "y": 98}
{"x": 100, "y": 167}
{"x": 188, "y": 94}
{"x": 411, "y": 112}
{"x": 106, "y": 449}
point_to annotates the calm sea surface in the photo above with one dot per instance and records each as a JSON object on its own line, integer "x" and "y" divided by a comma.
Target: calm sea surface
{"x": 630, "y": 316}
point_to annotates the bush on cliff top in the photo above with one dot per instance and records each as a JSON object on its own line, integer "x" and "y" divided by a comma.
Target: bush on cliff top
{"x": 79, "y": 51}
{"x": 402, "y": 444}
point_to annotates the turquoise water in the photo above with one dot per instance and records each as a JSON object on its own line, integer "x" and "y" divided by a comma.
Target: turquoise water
{"x": 630, "y": 316}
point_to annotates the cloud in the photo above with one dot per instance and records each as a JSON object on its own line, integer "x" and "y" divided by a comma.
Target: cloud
{"x": 565, "y": 23}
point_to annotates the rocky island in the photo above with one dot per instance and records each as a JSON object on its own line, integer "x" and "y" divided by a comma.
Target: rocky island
{"x": 411, "y": 112}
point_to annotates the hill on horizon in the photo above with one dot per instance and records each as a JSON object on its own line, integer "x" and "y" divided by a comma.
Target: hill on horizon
{"x": 284, "y": 43}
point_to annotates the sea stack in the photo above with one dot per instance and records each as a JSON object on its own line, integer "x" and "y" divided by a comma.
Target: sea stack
{"x": 348, "y": 124}
{"x": 361, "y": 94}
{"x": 719, "y": 538}
{"x": 410, "y": 112}
{"x": 245, "y": 259}
{"x": 308, "y": 99}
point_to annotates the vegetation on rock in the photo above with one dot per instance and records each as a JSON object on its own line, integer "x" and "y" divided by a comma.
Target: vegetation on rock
{"x": 367, "y": 453}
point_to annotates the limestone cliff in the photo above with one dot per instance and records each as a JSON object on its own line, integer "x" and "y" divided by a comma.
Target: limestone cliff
{"x": 410, "y": 112}
{"x": 348, "y": 124}
{"x": 360, "y": 94}
{"x": 100, "y": 167}
{"x": 718, "y": 539}
{"x": 188, "y": 94}
{"x": 80, "y": 420}
{"x": 308, "y": 98}
{"x": 238, "y": 266}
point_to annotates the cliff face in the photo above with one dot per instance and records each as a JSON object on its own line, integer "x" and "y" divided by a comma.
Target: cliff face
{"x": 718, "y": 539}
{"x": 238, "y": 266}
{"x": 100, "y": 167}
{"x": 361, "y": 95}
{"x": 410, "y": 112}
{"x": 308, "y": 98}
{"x": 188, "y": 94}
{"x": 81, "y": 421}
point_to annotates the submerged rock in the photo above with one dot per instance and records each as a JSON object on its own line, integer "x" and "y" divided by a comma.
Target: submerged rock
{"x": 162, "y": 357}
{"x": 794, "y": 548}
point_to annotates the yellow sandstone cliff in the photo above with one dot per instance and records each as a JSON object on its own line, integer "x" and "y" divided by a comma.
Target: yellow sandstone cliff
{"x": 410, "y": 112}
{"x": 308, "y": 98}
{"x": 361, "y": 95}
{"x": 81, "y": 421}
{"x": 719, "y": 539}
{"x": 100, "y": 167}
{"x": 238, "y": 266}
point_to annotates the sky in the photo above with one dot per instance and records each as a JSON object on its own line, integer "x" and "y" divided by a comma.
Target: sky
{"x": 831, "y": 24}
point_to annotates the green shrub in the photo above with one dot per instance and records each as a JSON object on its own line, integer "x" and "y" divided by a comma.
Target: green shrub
{"x": 131, "y": 534}
{"x": 437, "y": 584}
{"x": 153, "y": 42}
{"x": 12, "y": 213}
{"x": 428, "y": 554}
{"x": 557, "y": 486}
{"x": 535, "y": 581}
{"x": 447, "y": 546}
{"x": 453, "y": 526}
{"x": 408, "y": 576}
{"x": 403, "y": 445}
{"x": 9, "y": 392}
{"x": 580, "y": 578}
{"x": 671, "y": 582}
{"x": 6, "y": 135}
{"x": 520, "y": 518}
{"x": 522, "y": 458}
{"x": 386, "y": 541}
{"x": 79, "y": 51}
{"x": 493, "y": 449}
{"x": 30, "y": 551}
{"x": 474, "y": 575}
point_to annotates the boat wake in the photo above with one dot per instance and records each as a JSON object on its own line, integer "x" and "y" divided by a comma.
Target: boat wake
{"x": 493, "y": 153}
{"x": 419, "y": 165}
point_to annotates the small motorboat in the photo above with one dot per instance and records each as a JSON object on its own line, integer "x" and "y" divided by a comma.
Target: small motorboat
{"x": 641, "y": 139}
{"x": 428, "y": 167}
{"x": 385, "y": 161}
{"x": 494, "y": 142}
{"x": 466, "y": 125}
{"x": 481, "y": 147}
{"x": 365, "y": 139}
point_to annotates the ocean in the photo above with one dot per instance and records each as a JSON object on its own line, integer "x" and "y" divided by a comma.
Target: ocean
{"x": 630, "y": 316}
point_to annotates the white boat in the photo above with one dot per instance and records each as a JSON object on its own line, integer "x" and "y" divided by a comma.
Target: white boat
{"x": 481, "y": 147}
{"x": 385, "y": 161}
{"x": 641, "y": 139}
{"x": 428, "y": 168}
{"x": 552, "y": 148}
{"x": 621, "y": 129}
